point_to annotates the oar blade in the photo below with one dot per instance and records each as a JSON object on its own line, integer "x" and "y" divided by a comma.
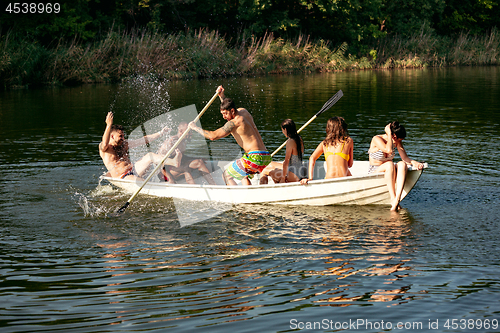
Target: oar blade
{"x": 334, "y": 99}
{"x": 123, "y": 208}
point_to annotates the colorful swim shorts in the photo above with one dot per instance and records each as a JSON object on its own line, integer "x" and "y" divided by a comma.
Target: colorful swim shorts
{"x": 249, "y": 164}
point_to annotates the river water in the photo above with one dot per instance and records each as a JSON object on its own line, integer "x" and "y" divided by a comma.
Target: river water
{"x": 68, "y": 265}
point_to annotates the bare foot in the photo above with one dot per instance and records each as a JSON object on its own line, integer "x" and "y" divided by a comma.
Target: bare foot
{"x": 263, "y": 180}
{"x": 395, "y": 205}
{"x": 178, "y": 158}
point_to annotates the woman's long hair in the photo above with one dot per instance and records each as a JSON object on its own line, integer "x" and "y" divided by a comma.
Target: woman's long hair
{"x": 336, "y": 131}
{"x": 291, "y": 132}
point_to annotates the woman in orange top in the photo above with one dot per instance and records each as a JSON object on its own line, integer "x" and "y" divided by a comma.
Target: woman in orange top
{"x": 337, "y": 147}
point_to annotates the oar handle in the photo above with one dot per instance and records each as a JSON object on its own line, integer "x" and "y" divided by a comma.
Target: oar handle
{"x": 300, "y": 129}
{"x": 170, "y": 151}
{"x": 325, "y": 107}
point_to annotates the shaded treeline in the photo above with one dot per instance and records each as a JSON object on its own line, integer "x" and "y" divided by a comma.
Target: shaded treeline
{"x": 104, "y": 41}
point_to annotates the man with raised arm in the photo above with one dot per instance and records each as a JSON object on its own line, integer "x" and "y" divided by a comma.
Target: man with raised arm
{"x": 114, "y": 151}
{"x": 241, "y": 126}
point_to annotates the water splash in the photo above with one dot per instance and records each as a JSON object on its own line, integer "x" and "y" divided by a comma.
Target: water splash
{"x": 90, "y": 209}
{"x": 102, "y": 190}
{"x": 142, "y": 97}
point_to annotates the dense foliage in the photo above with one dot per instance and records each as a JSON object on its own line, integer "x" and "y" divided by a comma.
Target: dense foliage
{"x": 356, "y": 22}
{"x": 108, "y": 40}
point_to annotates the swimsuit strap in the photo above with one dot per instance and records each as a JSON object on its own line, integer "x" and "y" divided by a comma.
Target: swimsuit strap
{"x": 341, "y": 154}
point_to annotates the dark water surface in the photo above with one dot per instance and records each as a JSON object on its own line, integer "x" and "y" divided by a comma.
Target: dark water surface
{"x": 68, "y": 265}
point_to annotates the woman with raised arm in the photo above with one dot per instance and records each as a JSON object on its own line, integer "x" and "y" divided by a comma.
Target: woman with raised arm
{"x": 337, "y": 147}
{"x": 381, "y": 160}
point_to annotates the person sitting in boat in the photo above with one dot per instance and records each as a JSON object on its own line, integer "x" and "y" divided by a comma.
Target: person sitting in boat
{"x": 188, "y": 163}
{"x": 293, "y": 158}
{"x": 241, "y": 126}
{"x": 337, "y": 147}
{"x": 381, "y": 154}
{"x": 114, "y": 151}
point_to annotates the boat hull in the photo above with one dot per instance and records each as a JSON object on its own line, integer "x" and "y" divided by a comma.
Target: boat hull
{"x": 360, "y": 189}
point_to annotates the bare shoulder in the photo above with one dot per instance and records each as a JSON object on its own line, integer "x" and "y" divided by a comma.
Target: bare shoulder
{"x": 230, "y": 126}
{"x": 290, "y": 143}
{"x": 105, "y": 148}
{"x": 244, "y": 113}
{"x": 377, "y": 141}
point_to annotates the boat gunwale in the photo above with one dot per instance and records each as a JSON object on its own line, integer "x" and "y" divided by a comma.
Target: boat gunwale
{"x": 257, "y": 186}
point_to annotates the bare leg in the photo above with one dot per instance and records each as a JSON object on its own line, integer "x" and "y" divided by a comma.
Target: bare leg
{"x": 273, "y": 169}
{"x": 142, "y": 165}
{"x": 201, "y": 166}
{"x": 189, "y": 178}
{"x": 277, "y": 175}
{"x": 388, "y": 169}
{"x": 176, "y": 161}
{"x": 228, "y": 179}
{"x": 246, "y": 181}
{"x": 400, "y": 181}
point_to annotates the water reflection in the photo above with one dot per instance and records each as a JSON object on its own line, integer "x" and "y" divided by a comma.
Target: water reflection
{"x": 345, "y": 243}
{"x": 68, "y": 266}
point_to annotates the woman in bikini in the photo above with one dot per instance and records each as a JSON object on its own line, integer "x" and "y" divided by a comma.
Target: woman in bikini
{"x": 293, "y": 158}
{"x": 337, "y": 147}
{"x": 381, "y": 160}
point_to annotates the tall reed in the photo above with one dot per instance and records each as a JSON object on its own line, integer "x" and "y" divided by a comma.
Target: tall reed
{"x": 203, "y": 53}
{"x": 427, "y": 49}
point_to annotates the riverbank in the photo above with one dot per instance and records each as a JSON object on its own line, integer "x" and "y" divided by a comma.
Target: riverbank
{"x": 205, "y": 54}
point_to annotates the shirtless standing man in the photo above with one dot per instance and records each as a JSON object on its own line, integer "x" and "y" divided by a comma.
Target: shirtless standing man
{"x": 114, "y": 151}
{"x": 241, "y": 125}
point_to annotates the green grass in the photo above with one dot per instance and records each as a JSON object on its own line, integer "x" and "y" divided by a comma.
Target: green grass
{"x": 427, "y": 50}
{"x": 204, "y": 54}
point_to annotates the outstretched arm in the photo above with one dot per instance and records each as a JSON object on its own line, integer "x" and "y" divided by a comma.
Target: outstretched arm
{"x": 312, "y": 161}
{"x": 218, "y": 133}
{"x": 148, "y": 138}
{"x": 408, "y": 160}
{"x": 103, "y": 146}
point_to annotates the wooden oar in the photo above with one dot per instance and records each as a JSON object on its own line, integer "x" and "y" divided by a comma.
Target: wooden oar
{"x": 325, "y": 107}
{"x": 122, "y": 209}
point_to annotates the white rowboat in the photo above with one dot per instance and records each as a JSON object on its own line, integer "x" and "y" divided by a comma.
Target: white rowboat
{"x": 359, "y": 189}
